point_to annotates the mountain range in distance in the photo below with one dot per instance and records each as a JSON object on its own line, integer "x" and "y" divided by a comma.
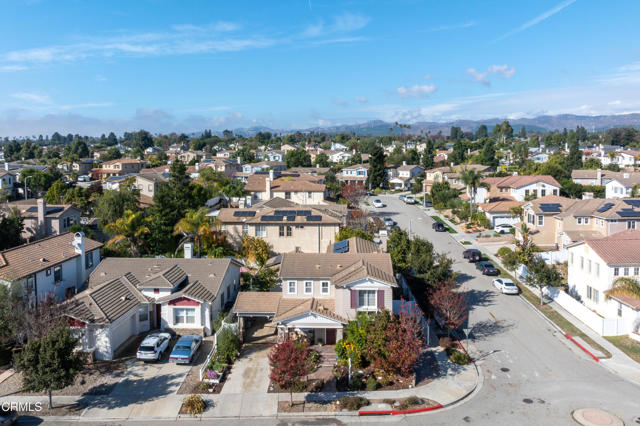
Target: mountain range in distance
{"x": 542, "y": 123}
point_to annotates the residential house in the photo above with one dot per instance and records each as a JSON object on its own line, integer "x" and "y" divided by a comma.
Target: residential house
{"x": 540, "y": 157}
{"x": 286, "y": 148}
{"x": 57, "y": 265}
{"x": 80, "y": 167}
{"x": 339, "y": 156}
{"x": 271, "y": 156}
{"x": 620, "y": 185}
{"x": 591, "y": 177}
{"x": 314, "y": 171}
{"x": 8, "y": 180}
{"x": 297, "y": 187}
{"x": 41, "y": 220}
{"x": 337, "y": 146}
{"x": 405, "y": 176}
{"x": 129, "y": 296}
{"x": 356, "y": 173}
{"x": 593, "y": 267}
{"x": 152, "y": 150}
{"x": 321, "y": 292}
{"x": 501, "y": 212}
{"x": 118, "y": 167}
{"x": 262, "y": 166}
{"x": 518, "y": 188}
{"x": 450, "y": 174}
{"x": 302, "y": 229}
{"x": 148, "y": 183}
{"x": 189, "y": 156}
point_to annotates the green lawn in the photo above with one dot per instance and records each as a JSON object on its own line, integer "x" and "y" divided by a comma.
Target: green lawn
{"x": 449, "y": 229}
{"x": 626, "y": 345}
{"x": 465, "y": 242}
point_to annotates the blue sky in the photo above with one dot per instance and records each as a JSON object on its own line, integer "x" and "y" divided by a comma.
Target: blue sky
{"x": 89, "y": 67}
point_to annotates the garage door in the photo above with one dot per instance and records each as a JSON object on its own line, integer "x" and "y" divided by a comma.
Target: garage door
{"x": 126, "y": 329}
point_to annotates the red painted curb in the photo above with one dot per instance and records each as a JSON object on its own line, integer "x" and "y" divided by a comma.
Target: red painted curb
{"x": 581, "y": 347}
{"x": 399, "y": 412}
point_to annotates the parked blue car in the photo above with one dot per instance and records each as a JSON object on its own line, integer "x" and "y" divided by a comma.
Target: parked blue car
{"x": 185, "y": 349}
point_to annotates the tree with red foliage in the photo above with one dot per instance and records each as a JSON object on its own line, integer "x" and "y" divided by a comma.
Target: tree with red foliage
{"x": 289, "y": 363}
{"x": 405, "y": 340}
{"x": 450, "y": 306}
{"x": 354, "y": 193}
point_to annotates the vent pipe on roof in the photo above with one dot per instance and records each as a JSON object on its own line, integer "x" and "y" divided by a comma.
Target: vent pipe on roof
{"x": 188, "y": 250}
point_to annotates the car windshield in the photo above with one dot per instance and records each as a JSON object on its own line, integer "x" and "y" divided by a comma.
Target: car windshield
{"x": 183, "y": 347}
{"x": 146, "y": 348}
{"x": 509, "y": 284}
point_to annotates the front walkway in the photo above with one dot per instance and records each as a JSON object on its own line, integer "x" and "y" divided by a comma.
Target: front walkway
{"x": 250, "y": 372}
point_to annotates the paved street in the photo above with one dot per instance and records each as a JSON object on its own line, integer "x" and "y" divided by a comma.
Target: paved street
{"x": 531, "y": 375}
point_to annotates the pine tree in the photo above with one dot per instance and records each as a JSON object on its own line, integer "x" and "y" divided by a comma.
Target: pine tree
{"x": 428, "y": 155}
{"x": 377, "y": 168}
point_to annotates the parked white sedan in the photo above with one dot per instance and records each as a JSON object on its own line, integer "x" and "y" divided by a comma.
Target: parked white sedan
{"x": 505, "y": 285}
{"x": 378, "y": 204}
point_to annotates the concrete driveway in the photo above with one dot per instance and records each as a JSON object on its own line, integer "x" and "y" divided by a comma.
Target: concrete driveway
{"x": 142, "y": 391}
{"x": 250, "y": 373}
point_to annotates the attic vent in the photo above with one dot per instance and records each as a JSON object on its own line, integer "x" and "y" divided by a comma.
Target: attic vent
{"x": 103, "y": 274}
{"x": 212, "y": 275}
{"x": 339, "y": 266}
{"x": 43, "y": 259}
{"x": 123, "y": 298}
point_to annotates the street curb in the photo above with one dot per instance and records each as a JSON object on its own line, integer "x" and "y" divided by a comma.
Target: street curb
{"x": 581, "y": 347}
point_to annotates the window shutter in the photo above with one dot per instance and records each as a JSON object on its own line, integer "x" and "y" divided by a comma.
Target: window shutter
{"x": 380, "y": 298}
{"x": 354, "y": 299}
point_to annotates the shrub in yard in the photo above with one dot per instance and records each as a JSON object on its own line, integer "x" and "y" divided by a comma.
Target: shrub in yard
{"x": 458, "y": 357}
{"x": 357, "y": 382}
{"x": 299, "y": 386}
{"x": 289, "y": 364}
{"x": 353, "y": 403}
{"x": 203, "y": 386}
{"x": 413, "y": 400}
{"x": 228, "y": 346}
{"x": 194, "y": 404}
{"x": 372, "y": 384}
{"x": 314, "y": 359}
{"x": 316, "y": 386}
{"x": 504, "y": 251}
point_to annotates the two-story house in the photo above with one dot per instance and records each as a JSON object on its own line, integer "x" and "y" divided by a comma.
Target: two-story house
{"x": 518, "y": 188}
{"x": 56, "y": 266}
{"x": 147, "y": 184}
{"x": 262, "y": 166}
{"x": 321, "y": 293}
{"x": 271, "y": 156}
{"x": 594, "y": 266}
{"x": 356, "y": 174}
{"x": 7, "y": 181}
{"x": 620, "y": 185}
{"x": 302, "y": 229}
{"x": 297, "y": 187}
{"x": 128, "y": 296}
{"x": 118, "y": 167}
{"x": 80, "y": 167}
{"x": 41, "y": 220}
{"x": 450, "y": 174}
{"x": 405, "y": 176}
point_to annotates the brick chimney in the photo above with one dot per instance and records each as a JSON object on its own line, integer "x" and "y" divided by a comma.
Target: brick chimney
{"x": 42, "y": 213}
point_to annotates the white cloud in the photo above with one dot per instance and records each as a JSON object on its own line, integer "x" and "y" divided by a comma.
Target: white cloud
{"x": 417, "y": 91}
{"x": 345, "y": 23}
{"x": 340, "y": 102}
{"x": 502, "y": 71}
{"x": 362, "y": 99}
{"x": 13, "y": 68}
{"x": 31, "y": 97}
{"x": 549, "y": 13}
{"x": 221, "y": 26}
{"x": 468, "y": 24}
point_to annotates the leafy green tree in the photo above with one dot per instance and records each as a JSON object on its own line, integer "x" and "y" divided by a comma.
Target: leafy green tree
{"x": 428, "y": 155}
{"x": 131, "y": 228}
{"x": 398, "y": 247}
{"x": 412, "y": 156}
{"x": 456, "y": 133}
{"x": 297, "y": 158}
{"x": 540, "y": 275}
{"x": 442, "y": 194}
{"x": 482, "y": 132}
{"x": 56, "y": 192}
{"x": 459, "y": 154}
{"x": 264, "y": 279}
{"x": 245, "y": 154}
{"x": 348, "y": 231}
{"x": 11, "y": 227}
{"x": 523, "y": 132}
{"x": 624, "y": 287}
{"x": 196, "y": 225}
{"x": 472, "y": 179}
{"x": 322, "y": 160}
{"x": 574, "y": 159}
{"x": 377, "y": 168}
{"x": 113, "y": 203}
{"x": 488, "y": 155}
{"x": 255, "y": 250}
{"x": 51, "y": 362}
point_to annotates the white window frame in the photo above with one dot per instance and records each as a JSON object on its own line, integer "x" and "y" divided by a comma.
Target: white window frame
{"x": 540, "y": 220}
{"x": 616, "y": 272}
{"x": 295, "y": 287}
{"x": 261, "y": 231}
{"x": 368, "y": 306}
{"x": 55, "y": 269}
{"x": 308, "y": 287}
{"x": 245, "y": 229}
{"x": 181, "y": 316}
{"x": 143, "y": 313}
{"x": 597, "y": 269}
{"x": 325, "y": 285}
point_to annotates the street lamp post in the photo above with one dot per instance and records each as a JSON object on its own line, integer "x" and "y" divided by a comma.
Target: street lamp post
{"x": 25, "y": 185}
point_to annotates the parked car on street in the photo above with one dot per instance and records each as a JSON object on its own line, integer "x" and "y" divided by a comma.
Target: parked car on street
{"x": 84, "y": 178}
{"x": 153, "y": 347}
{"x": 401, "y": 197}
{"x": 505, "y": 285}
{"x": 388, "y": 221}
{"x": 409, "y": 199}
{"x": 185, "y": 349}
{"x": 378, "y": 204}
{"x": 8, "y": 417}
{"x": 428, "y": 203}
{"x": 474, "y": 255}
{"x": 503, "y": 228}
{"x": 487, "y": 268}
{"x": 439, "y": 227}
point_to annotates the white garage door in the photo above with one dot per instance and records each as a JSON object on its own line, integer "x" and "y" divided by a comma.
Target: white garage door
{"x": 126, "y": 329}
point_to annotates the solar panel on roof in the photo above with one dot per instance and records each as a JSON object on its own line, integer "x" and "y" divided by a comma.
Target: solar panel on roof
{"x": 550, "y": 207}
{"x": 314, "y": 218}
{"x": 284, "y": 212}
{"x": 272, "y": 218}
{"x": 303, "y": 212}
{"x": 628, "y": 213}
{"x": 634, "y": 203}
{"x": 341, "y": 247}
{"x": 606, "y": 207}
{"x": 54, "y": 209}
{"x": 244, "y": 214}
{"x": 291, "y": 218}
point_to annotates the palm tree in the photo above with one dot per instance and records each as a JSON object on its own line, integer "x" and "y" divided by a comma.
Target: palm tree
{"x": 472, "y": 179}
{"x": 196, "y": 224}
{"x": 625, "y": 287}
{"x": 131, "y": 227}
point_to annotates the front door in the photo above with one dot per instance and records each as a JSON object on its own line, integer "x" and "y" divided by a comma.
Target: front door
{"x": 158, "y": 316}
{"x": 331, "y": 336}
